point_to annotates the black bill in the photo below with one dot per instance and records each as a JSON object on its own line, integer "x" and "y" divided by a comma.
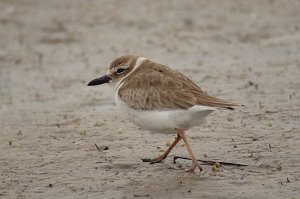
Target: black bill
{"x": 100, "y": 80}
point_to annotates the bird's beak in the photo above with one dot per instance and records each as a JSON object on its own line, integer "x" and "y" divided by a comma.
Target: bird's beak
{"x": 100, "y": 80}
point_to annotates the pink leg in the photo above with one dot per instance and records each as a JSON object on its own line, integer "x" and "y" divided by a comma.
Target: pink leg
{"x": 163, "y": 156}
{"x": 195, "y": 163}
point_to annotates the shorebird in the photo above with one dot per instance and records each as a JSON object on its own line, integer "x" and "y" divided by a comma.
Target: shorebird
{"x": 159, "y": 99}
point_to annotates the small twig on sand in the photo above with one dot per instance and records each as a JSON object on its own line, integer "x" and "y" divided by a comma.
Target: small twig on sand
{"x": 209, "y": 162}
{"x": 274, "y": 111}
{"x": 278, "y": 111}
{"x": 97, "y": 147}
{"x": 141, "y": 195}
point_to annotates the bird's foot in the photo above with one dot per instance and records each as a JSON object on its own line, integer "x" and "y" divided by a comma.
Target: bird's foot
{"x": 154, "y": 160}
{"x": 195, "y": 164}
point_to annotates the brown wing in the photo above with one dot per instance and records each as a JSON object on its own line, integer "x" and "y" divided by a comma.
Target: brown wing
{"x": 159, "y": 87}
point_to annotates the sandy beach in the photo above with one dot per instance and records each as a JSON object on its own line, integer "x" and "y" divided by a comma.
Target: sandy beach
{"x": 242, "y": 51}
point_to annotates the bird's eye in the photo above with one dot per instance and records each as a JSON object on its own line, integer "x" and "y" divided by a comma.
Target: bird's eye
{"x": 120, "y": 70}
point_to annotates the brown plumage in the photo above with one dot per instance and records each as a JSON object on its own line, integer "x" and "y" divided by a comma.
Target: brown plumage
{"x": 156, "y": 87}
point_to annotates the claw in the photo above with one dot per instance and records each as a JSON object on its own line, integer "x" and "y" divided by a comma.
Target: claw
{"x": 153, "y": 161}
{"x": 195, "y": 164}
{"x": 146, "y": 160}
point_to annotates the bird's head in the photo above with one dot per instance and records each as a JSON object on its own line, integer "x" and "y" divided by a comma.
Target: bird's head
{"x": 117, "y": 70}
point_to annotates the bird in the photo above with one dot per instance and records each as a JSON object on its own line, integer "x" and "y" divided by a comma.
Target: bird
{"x": 159, "y": 99}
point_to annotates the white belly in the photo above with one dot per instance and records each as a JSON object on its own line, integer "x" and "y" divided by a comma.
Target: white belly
{"x": 165, "y": 121}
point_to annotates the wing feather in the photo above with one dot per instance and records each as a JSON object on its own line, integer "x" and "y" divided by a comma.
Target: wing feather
{"x": 158, "y": 87}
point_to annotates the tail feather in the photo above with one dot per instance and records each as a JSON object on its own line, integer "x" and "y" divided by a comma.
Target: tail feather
{"x": 215, "y": 102}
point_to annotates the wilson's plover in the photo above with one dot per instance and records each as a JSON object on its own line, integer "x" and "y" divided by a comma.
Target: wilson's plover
{"x": 159, "y": 99}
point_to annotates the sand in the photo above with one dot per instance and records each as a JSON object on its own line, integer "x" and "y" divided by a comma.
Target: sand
{"x": 247, "y": 52}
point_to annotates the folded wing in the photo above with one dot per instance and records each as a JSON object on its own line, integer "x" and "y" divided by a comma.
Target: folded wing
{"x": 160, "y": 88}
